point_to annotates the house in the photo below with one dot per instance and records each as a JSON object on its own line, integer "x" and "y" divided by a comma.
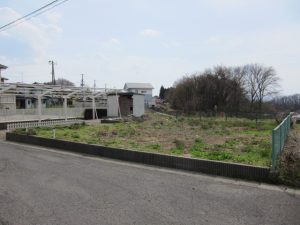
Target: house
{"x": 125, "y": 103}
{"x": 141, "y": 88}
{"x": 7, "y": 101}
{"x": 2, "y": 79}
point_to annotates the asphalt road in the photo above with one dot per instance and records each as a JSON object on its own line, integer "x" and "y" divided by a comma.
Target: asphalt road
{"x": 40, "y": 186}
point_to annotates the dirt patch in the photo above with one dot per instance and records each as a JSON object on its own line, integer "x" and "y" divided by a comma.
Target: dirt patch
{"x": 217, "y": 140}
{"x": 289, "y": 160}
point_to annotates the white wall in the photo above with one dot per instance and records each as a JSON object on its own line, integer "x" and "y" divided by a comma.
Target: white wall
{"x": 112, "y": 106}
{"x": 141, "y": 91}
{"x": 8, "y": 102}
{"x": 138, "y": 105}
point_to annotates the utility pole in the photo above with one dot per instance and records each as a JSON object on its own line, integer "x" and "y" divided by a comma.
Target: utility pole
{"x": 82, "y": 83}
{"x": 82, "y": 91}
{"x": 51, "y": 62}
{"x": 94, "y": 86}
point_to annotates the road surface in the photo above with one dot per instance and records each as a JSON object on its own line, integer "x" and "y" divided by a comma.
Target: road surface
{"x": 43, "y": 186}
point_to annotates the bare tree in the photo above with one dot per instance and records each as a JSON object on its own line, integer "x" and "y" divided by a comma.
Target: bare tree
{"x": 62, "y": 82}
{"x": 287, "y": 103}
{"x": 218, "y": 88}
{"x": 260, "y": 82}
{"x": 267, "y": 84}
{"x": 251, "y": 71}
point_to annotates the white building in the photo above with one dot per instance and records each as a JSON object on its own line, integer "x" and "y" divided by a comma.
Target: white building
{"x": 141, "y": 88}
{"x": 2, "y": 79}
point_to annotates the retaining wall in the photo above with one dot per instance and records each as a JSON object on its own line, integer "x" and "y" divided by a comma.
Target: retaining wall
{"x": 197, "y": 165}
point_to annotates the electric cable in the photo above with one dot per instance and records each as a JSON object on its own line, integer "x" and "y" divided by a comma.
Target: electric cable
{"x": 35, "y": 13}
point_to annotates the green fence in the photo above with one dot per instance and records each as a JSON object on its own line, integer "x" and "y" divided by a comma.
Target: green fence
{"x": 279, "y": 136}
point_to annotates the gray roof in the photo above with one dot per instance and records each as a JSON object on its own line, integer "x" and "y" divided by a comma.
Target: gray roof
{"x": 138, "y": 86}
{"x": 3, "y": 67}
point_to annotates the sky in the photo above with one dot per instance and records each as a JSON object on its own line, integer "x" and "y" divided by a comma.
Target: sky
{"x": 155, "y": 41}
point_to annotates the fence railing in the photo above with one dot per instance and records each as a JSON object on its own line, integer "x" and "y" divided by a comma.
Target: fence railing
{"x": 46, "y": 113}
{"x": 48, "y": 123}
{"x": 279, "y": 136}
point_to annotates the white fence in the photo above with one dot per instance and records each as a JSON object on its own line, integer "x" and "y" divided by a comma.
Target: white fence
{"x": 48, "y": 123}
{"x": 46, "y": 113}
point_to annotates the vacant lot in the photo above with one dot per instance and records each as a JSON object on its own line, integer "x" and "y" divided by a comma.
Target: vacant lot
{"x": 234, "y": 139}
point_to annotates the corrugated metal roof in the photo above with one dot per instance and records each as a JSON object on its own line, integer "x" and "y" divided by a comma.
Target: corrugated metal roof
{"x": 138, "y": 86}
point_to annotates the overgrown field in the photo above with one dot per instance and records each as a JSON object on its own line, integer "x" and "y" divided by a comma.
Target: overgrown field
{"x": 234, "y": 139}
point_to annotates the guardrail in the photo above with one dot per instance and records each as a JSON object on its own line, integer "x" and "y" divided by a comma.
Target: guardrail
{"x": 279, "y": 136}
{"x": 47, "y": 123}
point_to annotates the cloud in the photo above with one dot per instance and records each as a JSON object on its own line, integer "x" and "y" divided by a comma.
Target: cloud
{"x": 151, "y": 33}
{"x": 53, "y": 17}
{"x": 35, "y": 34}
{"x": 171, "y": 44}
{"x": 279, "y": 40}
{"x": 276, "y": 46}
{"x": 222, "y": 5}
{"x": 115, "y": 41}
{"x": 112, "y": 44}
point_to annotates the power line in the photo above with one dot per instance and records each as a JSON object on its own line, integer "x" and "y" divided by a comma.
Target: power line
{"x": 35, "y": 13}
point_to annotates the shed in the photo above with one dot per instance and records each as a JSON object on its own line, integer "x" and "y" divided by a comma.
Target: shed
{"x": 125, "y": 103}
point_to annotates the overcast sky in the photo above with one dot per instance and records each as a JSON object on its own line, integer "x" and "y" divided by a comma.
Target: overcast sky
{"x": 156, "y": 41}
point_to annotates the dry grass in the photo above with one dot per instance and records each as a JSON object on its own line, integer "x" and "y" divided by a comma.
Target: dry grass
{"x": 236, "y": 140}
{"x": 289, "y": 160}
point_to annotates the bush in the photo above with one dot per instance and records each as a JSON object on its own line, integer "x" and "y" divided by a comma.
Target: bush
{"x": 289, "y": 167}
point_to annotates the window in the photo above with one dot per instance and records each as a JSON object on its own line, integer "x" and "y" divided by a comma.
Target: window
{"x": 144, "y": 92}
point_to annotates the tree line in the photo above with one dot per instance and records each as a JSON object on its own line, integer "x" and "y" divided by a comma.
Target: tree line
{"x": 226, "y": 89}
{"x": 289, "y": 103}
